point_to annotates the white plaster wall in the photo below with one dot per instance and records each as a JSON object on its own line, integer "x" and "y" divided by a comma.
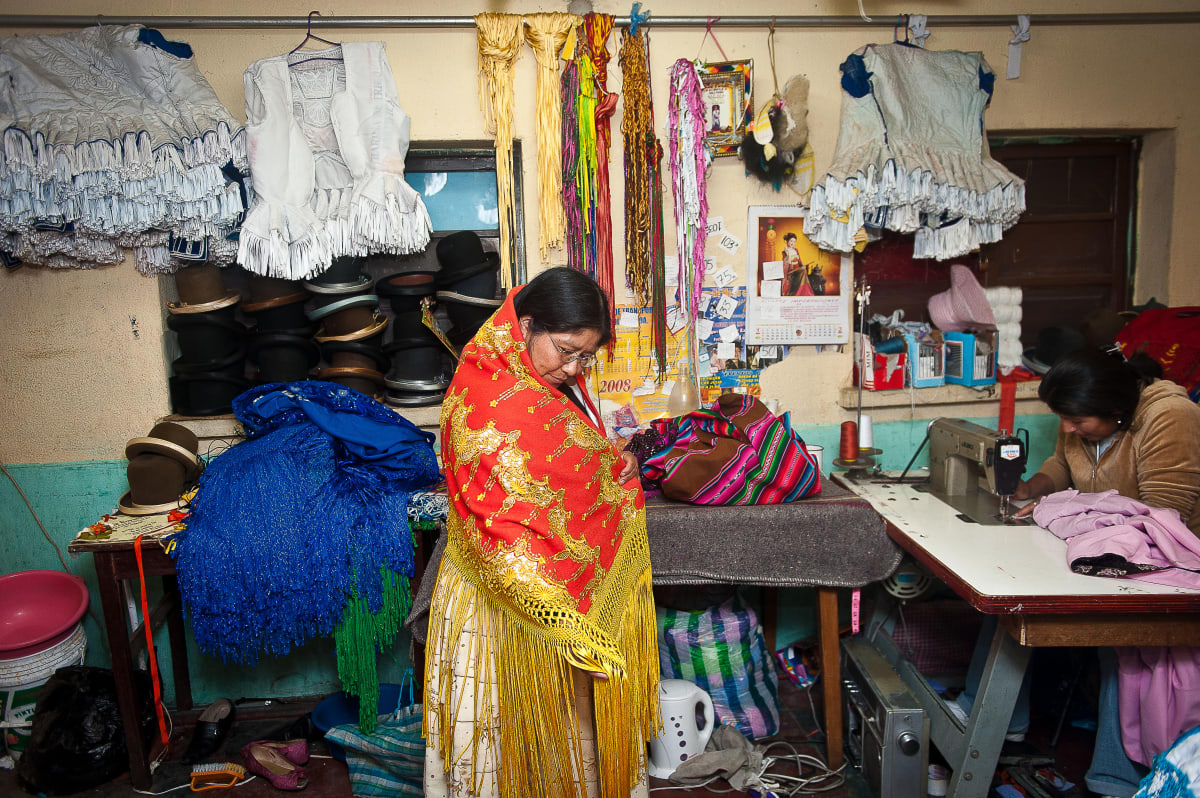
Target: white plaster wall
{"x": 80, "y": 389}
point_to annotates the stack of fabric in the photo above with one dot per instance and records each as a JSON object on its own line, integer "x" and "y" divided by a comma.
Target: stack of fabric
{"x": 113, "y": 138}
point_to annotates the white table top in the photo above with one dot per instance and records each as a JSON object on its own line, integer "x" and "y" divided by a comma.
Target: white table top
{"x": 1006, "y": 569}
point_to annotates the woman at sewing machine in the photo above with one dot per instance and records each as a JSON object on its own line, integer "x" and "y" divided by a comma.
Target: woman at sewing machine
{"x": 1120, "y": 428}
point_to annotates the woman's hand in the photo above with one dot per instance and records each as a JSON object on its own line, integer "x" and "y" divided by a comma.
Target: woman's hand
{"x": 1027, "y": 510}
{"x": 1024, "y": 491}
{"x": 630, "y": 469}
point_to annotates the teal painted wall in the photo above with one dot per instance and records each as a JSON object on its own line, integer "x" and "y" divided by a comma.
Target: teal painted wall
{"x": 69, "y": 496}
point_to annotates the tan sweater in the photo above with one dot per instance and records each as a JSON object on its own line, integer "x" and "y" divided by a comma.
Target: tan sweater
{"x": 1156, "y": 460}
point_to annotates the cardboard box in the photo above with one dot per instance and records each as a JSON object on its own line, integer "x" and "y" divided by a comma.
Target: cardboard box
{"x": 885, "y": 372}
{"x": 971, "y": 358}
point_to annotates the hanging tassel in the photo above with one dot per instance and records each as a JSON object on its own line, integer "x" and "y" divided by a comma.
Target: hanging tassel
{"x": 637, "y": 128}
{"x": 499, "y": 48}
{"x": 546, "y": 34}
{"x": 689, "y": 166}
{"x": 598, "y": 27}
{"x": 572, "y": 210}
{"x": 361, "y": 635}
{"x": 658, "y": 312}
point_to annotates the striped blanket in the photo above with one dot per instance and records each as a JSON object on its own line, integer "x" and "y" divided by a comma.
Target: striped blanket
{"x": 735, "y": 453}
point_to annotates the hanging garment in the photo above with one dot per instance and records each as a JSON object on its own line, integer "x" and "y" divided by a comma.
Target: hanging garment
{"x": 113, "y": 138}
{"x": 327, "y": 140}
{"x": 912, "y": 155}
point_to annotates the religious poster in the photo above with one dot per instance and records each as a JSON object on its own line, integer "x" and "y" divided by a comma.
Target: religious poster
{"x": 797, "y": 293}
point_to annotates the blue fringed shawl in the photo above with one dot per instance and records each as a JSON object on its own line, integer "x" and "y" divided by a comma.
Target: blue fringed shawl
{"x": 290, "y": 525}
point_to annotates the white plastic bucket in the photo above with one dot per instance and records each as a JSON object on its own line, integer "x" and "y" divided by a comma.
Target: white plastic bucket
{"x": 21, "y": 680}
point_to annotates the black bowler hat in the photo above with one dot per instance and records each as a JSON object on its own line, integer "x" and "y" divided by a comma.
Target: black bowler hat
{"x": 282, "y": 357}
{"x": 205, "y": 337}
{"x": 416, "y": 359}
{"x": 467, "y": 267}
{"x": 233, "y": 364}
{"x": 204, "y": 394}
{"x": 356, "y": 354}
{"x": 1052, "y": 343}
{"x": 342, "y": 272}
{"x": 405, "y": 290}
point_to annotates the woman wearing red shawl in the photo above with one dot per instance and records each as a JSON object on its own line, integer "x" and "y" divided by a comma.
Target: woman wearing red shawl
{"x": 542, "y": 662}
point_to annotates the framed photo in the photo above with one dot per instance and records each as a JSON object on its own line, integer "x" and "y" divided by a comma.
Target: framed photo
{"x": 726, "y": 88}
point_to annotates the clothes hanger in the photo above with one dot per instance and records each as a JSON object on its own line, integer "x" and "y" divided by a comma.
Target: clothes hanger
{"x": 309, "y": 35}
{"x": 902, "y": 24}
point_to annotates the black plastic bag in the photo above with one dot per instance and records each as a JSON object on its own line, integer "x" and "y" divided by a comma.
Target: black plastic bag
{"x": 77, "y": 741}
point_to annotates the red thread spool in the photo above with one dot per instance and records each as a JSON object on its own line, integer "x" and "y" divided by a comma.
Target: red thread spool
{"x": 848, "y": 447}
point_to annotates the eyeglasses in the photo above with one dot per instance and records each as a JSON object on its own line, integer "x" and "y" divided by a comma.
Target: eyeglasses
{"x": 584, "y": 359}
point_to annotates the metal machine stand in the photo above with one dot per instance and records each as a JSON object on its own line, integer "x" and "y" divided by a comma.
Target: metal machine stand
{"x": 971, "y": 752}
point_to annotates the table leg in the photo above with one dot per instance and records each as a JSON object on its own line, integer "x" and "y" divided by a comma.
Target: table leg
{"x": 178, "y": 637}
{"x": 770, "y": 617}
{"x": 831, "y": 672}
{"x": 122, "y": 665}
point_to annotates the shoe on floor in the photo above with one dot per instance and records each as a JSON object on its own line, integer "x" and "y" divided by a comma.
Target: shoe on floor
{"x": 961, "y": 714}
{"x": 212, "y": 727}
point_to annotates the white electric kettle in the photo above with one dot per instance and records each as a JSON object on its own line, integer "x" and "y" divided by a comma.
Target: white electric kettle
{"x": 682, "y": 738}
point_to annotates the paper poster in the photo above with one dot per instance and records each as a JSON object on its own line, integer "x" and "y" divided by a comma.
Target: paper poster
{"x": 714, "y": 225}
{"x": 626, "y": 385}
{"x": 717, "y": 315}
{"x": 729, "y": 242}
{"x": 798, "y": 294}
{"x": 724, "y": 276}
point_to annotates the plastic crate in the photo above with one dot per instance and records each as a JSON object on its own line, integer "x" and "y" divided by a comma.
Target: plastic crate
{"x": 970, "y": 358}
{"x": 926, "y": 362}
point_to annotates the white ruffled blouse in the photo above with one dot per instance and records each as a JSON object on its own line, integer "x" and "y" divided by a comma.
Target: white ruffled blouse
{"x": 912, "y": 155}
{"x": 326, "y": 141}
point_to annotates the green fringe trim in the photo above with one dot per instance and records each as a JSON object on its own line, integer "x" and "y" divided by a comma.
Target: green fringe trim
{"x": 359, "y": 638}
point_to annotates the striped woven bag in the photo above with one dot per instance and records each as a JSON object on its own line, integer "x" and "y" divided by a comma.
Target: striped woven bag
{"x": 735, "y": 452}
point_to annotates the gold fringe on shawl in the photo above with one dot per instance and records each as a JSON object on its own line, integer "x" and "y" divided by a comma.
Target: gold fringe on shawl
{"x": 538, "y": 747}
{"x": 499, "y": 47}
{"x": 546, "y": 34}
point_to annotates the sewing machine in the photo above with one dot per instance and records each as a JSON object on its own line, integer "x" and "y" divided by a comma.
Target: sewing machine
{"x": 974, "y": 469}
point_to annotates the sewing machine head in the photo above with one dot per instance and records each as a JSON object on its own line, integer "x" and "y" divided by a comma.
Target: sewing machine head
{"x": 975, "y": 469}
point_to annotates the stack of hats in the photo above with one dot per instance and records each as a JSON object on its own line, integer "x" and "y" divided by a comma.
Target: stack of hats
{"x": 466, "y": 284}
{"x": 416, "y": 358}
{"x": 162, "y": 467}
{"x": 211, "y": 368}
{"x": 282, "y": 345}
{"x": 349, "y": 314}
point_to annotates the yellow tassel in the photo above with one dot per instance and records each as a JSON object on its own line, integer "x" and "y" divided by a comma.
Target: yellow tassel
{"x": 524, "y": 685}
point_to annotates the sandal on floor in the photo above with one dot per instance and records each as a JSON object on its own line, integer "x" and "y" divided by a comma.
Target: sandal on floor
{"x": 294, "y": 751}
{"x": 263, "y": 760}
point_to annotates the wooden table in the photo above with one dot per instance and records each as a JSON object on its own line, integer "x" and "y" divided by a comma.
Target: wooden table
{"x": 116, "y": 561}
{"x": 835, "y": 540}
{"x": 1020, "y": 574}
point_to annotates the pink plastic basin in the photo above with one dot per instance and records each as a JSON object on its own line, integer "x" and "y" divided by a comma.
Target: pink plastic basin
{"x": 37, "y": 610}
